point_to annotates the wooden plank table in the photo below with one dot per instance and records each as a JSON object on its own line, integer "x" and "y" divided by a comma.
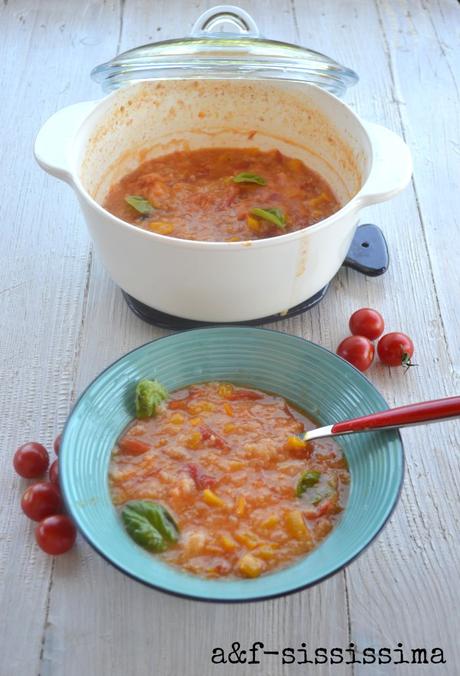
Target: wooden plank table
{"x": 63, "y": 320}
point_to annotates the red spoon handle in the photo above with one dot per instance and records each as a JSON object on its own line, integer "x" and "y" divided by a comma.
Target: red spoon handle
{"x": 424, "y": 412}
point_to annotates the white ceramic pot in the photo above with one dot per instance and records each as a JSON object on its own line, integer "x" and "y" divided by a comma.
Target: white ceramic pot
{"x": 93, "y": 144}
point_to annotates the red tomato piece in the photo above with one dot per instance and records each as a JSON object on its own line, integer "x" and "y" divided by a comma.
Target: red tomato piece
{"x": 133, "y": 446}
{"x": 367, "y": 322}
{"x": 395, "y": 349}
{"x": 207, "y": 434}
{"x": 54, "y": 472}
{"x": 41, "y": 500}
{"x": 56, "y": 534}
{"x": 31, "y": 460}
{"x": 178, "y": 404}
{"x": 325, "y": 508}
{"x": 201, "y": 479}
{"x": 358, "y": 351}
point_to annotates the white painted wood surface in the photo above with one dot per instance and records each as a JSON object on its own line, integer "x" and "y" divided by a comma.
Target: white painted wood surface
{"x": 62, "y": 321}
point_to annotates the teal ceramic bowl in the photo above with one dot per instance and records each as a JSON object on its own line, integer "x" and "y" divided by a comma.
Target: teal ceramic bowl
{"x": 308, "y": 375}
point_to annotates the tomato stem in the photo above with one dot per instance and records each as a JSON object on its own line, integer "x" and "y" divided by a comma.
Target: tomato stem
{"x": 406, "y": 362}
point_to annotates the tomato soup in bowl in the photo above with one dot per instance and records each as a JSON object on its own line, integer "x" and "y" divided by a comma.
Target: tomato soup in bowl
{"x": 241, "y": 492}
{"x": 223, "y": 532}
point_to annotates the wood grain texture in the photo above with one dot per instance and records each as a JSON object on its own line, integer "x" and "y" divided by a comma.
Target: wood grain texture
{"x": 424, "y": 56}
{"x": 406, "y": 573}
{"x": 46, "y": 50}
{"x": 63, "y": 320}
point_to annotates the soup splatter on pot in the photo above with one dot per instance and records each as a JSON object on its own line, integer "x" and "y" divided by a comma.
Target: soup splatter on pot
{"x": 214, "y": 480}
{"x": 222, "y": 194}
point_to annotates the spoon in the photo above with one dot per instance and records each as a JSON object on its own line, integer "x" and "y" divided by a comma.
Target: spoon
{"x": 402, "y": 416}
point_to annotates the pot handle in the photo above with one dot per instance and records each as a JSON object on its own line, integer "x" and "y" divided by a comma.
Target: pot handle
{"x": 391, "y": 169}
{"x": 53, "y": 141}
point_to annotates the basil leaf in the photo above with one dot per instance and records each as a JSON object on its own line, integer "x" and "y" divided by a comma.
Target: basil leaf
{"x": 273, "y": 215}
{"x": 142, "y": 205}
{"x": 150, "y": 525}
{"x": 307, "y": 480}
{"x": 246, "y": 177}
{"x": 149, "y": 395}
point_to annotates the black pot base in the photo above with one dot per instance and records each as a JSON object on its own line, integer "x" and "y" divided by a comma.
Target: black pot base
{"x": 368, "y": 254}
{"x": 165, "y": 321}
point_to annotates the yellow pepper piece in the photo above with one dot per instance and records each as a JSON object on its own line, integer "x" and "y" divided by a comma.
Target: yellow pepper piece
{"x": 228, "y": 543}
{"x": 225, "y": 390}
{"x": 235, "y": 465}
{"x": 253, "y": 224}
{"x": 295, "y": 525}
{"x": 319, "y": 199}
{"x": 195, "y": 421}
{"x": 296, "y": 165}
{"x": 295, "y": 444}
{"x": 240, "y": 506}
{"x": 228, "y": 409}
{"x": 271, "y": 521}
{"x": 201, "y": 406}
{"x": 250, "y": 566}
{"x": 193, "y": 440}
{"x": 176, "y": 419}
{"x": 247, "y": 539}
{"x": 228, "y": 428}
{"x": 161, "y": 228}
{"x": 266, "y": 551}
{"x": 212, "y": 499}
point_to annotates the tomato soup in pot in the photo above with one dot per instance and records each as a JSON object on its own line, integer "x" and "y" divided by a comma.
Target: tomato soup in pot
{"x": 222, "y": 194}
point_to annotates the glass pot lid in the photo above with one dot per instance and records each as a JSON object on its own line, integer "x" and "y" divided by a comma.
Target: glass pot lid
{"x": 225, "y": 43}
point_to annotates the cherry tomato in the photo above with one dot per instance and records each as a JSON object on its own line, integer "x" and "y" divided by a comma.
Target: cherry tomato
{"x": 357, "y": 350}
{"x": 31, "y": 460}
{"x": 57, "y": 444}
{"x": 41, "y": 500}
{"x": 55, "y": 534}
{"x": 54, "y": 472}
{"x": 367, "y": 322}
{"x": 395, "y": 349}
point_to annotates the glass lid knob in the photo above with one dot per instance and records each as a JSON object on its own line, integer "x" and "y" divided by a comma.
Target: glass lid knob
{"x": 217, "y": 19}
